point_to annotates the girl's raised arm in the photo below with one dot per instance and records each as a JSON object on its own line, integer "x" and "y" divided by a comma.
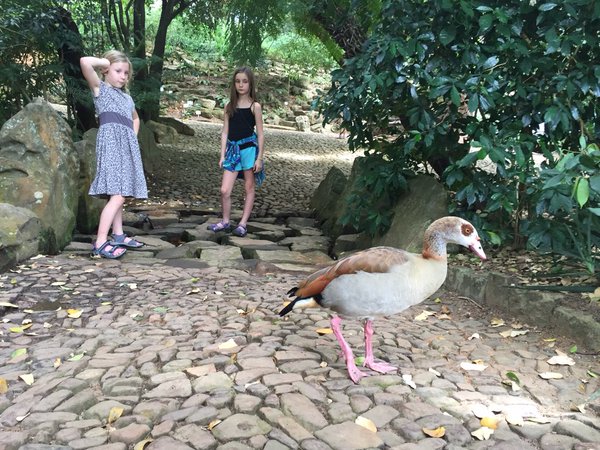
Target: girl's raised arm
{"x": 89, "y": 65}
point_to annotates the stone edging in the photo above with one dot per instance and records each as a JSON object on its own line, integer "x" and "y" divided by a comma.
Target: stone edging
{"x": 536, "y": 307}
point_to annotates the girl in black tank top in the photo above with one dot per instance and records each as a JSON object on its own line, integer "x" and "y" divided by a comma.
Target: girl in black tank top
{"x": 242, "y": 142}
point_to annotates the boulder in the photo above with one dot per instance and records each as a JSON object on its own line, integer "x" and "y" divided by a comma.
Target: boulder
{"x": 164, "y": 134}
{"x": 425, "y": 202}
{"x": 148, "y": 148}
{"x": 179, "y": 126}
{"x": 20, "y": 232}
{"x": 89, "y": 208}
{"x": 327, "y": 201}
{"x": 39, "y": 170}
{"x": 302, "y": 123}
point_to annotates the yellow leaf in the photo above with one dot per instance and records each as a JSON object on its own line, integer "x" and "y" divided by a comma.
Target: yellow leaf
{"x": 437, "y": 433}
{"x": 8, "y": 305}
{"x": 20, "y": 329}
{"x": 57, "y": 363}
{"x": 213, "y": 424}
{"x": 3, "y": 386}
{"x": 323, "y": 331}
{"x": 27, "y": 378}
{"x": 496, "y": 322}
{"x": 424, "y": 315}
{"x": 76, "y": 357}
{"x": 227, "y": 344}
{"x": 114, "y": 413}
{"x": 74, "y": 313}
{"x": 489, "y": 422}
{"x": 140, "y": 445}
{"x": 550, "y": 340}
{"x": 366, "y": 423}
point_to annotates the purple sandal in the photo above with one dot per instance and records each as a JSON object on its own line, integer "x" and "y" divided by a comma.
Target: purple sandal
{"x": 220, "y": 226}
{"x": 240, "y": 231}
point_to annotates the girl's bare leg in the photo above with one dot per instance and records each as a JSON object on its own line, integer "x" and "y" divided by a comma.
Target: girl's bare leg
{"x": 107, "y": 218}
{"x": 250, "y": 194}
{"x": 226, "y": 189}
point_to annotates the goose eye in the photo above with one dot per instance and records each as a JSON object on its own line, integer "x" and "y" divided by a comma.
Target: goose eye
{"x": 467, "y": 230}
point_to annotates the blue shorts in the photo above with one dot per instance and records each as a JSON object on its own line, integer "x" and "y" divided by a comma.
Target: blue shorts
{"x": 247, "y": 159}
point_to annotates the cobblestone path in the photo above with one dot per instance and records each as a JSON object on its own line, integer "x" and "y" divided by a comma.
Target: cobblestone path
{"x": 168, "y": 352}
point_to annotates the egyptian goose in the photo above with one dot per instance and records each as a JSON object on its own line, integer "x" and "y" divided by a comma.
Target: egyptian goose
{"x": 382, "y": 281}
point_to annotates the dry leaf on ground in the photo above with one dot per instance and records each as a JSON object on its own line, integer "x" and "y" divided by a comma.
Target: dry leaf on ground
{"x": 366, "y": 423}
{"x": 483, "y": 433}
{"x": 561, "y": 359}
{"x": 424, "y": 315}
{"x": 436, "y": 433}
{"x": 551, "y": 375}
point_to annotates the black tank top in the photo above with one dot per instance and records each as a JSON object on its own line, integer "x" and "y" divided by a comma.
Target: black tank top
{"x": 241, "y": 125}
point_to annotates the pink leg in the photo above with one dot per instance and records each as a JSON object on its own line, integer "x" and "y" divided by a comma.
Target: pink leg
{"x": 369, "y": 359}
{"x": 353, "y": 371}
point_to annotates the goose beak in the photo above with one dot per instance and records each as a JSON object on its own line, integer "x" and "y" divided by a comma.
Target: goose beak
{"x": 478, "y": 250}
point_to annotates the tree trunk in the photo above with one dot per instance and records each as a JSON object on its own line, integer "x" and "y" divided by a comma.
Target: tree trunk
{"x": 79, "y": 99}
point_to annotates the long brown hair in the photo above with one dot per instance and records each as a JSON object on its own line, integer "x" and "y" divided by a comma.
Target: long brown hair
{"x": 233, "y": 95}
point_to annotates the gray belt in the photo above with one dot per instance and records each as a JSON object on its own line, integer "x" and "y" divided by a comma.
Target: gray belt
{"x": 113, "y": 117}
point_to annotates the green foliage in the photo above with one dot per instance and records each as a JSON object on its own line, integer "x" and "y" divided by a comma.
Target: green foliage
{"x": 378, "y": 184}
{"x": 299, "y": 52}
{"x": 443, "y": 85}
{"x": 28, "y": 53}
{"x": 567, "y": 207}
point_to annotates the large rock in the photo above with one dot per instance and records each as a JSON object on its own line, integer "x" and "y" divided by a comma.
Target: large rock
{"x": 164, "y": 134}
{"x": 425, "y": 202}
{"x": 179, "y": 126}
{"x": 39, "y": 170}
{"x": 89, "y": 208}
{"x": 20, "y": 231}
{"x": 327, "y": 201}
{"x": 148, "y": 148}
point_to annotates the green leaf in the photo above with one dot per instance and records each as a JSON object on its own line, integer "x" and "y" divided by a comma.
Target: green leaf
{"x": 447, "y": 35}
{"x": 513, "y": 377}
{"x": 547, "y": 6}
{"x": 595, "y": 211}
{"x": 573, "y": 349}
{"x": 582, "y": 191}
{"x": 161, "y": 309}
{"x": 455, "y": 96}
{"x": 18, "y": 352}
{"x": 473, "y": 103}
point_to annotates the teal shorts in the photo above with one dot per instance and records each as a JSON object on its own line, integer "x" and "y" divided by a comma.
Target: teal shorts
{"x": 247, "y": 159}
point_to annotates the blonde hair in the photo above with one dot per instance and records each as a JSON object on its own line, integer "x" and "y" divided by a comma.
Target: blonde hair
{"x": 116, "y": 56}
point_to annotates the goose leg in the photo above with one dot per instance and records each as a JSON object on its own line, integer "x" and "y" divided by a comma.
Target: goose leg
{"x": 353, "y": 371}
{"x": 381, "y": 367}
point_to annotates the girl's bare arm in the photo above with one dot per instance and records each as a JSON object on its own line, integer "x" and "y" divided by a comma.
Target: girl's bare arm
{"x": 259, "y": 130}
{"x": 89, "y": 66}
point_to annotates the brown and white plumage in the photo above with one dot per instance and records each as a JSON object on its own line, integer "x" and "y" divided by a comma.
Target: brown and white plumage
{"x": 382, "y": 281}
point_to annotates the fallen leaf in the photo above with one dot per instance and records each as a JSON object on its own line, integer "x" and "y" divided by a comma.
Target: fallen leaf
{"x": 28, "y": 311}
{"x": 573, "y": 349}
{"x": 218, "y": 293}
{"x": 76, "y": 357}
{"x": 18, "y": 352}
{"x": 21, "y": 418}
{"x": 513, "y": 333}
{"x": 114, "y": 413}
{"x": 27, "y": 378}
{"x": 424, "y": 315}
{"x": 366, "y": 423}
{"x": 592, "y": 374}
{"x": 74, "y": 313}
{"x": 513, "y": 377}
{"x": 496, "y": 323}
{"x": 160, "y": 309}
{"x": 323, "y": 331}
{"x": 551, "y": 375}
{"x": 480, "y": 411}
{"x": 578, "y": 408}
{"x": 59, "y": 283}
{"x": 474, "y": 336}
{"x": 26, "y": 321}
{"x": 47, "y": 325}
{"x": 472, "y": 366}
{"x": 213, "y": 424}
{"x": 437, "y": 433}
{"x": 140, "y": 445}
{"x": 227, "y": 344}
{"x": 514, "y": 419}
{"x": 435, "y": 372}
{"x": 20, "y": 329}
{"x": 550, "y": 340}
{"x": 409, "y": 381}
{"x": 359, "y": 360}
{"x": 538, "y": 419}
{"x": 490, "y": 422}
{"x": 57, "y": 363}
{"x": 3, "y": 386}
{"x": 483, "y": 433}
{"x": 8, "y": 305}
{"x": 561, "y": 359}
